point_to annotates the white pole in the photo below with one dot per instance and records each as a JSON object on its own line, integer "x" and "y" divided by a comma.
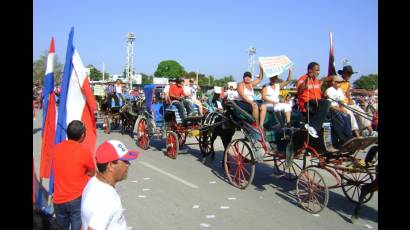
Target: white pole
{"x": 103, "y": 71}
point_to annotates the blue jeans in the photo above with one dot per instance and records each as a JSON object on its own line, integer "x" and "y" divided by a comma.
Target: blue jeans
{"x": 69, "y": 213}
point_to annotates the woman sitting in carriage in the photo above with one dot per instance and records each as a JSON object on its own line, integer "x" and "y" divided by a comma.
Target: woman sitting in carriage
{"x": 270, "y": 96}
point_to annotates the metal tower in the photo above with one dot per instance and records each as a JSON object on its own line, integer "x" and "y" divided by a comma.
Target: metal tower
{"x": 129, "y": 67}
{"x": 251, "y": 52}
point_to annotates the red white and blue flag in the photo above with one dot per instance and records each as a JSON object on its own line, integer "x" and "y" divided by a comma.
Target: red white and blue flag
{"x": 76, "y": 98}
{"x": 49, "y": 115}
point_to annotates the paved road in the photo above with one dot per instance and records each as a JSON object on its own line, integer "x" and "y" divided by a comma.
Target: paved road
{"x": 161, "y": 193}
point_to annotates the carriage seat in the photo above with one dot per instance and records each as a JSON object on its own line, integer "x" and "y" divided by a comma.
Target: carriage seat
{"x": 239, "y": 113}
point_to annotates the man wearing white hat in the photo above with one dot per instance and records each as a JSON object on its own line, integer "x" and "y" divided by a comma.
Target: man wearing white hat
{"x": 101, "y": 206}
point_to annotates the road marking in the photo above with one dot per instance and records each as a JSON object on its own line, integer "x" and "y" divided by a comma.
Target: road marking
{"x": 142, "y": 196}
{"x": 129, "y": 228}
{"x": 210, "y": 216}
{"x": 368, "y": 226}
{"x": 135, "y": 181}
{"x": 224, "y": 207}
{"x": 147, "y": 178}
{"x": 146, "y": 189}
{"x": 212, "y": 182}
{"x": 316, "y": 215}
{"x": 195, "y": 206}
{"x": 169, "y": 175}
{"x": 231, "y": 198}
{"x": 205, "y": 225}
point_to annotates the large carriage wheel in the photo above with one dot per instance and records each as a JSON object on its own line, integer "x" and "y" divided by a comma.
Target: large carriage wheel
{"x": 352, "y": 183}
{"x": 141, "y": 133}
{"x": 107, "y": 125}
{"x": 172, "y": 144}
{"x": 239, "y": 163}
{"x": 312, "y": 191}
{"x": 289, "y": 172}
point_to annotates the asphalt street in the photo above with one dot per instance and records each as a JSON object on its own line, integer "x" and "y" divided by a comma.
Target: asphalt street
{"x": 162, "y": 193}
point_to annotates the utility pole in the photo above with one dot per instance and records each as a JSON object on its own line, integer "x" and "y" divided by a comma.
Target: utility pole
{"x": 197, "y": 76}
{"x": 103, "y": 72}
{"x": 129, "y": 70}
{"x": 251, "y": 53}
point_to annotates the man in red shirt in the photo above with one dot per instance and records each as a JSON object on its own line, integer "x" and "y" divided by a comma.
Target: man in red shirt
{"x": 308, "y": 87}
{"x": 73, "y": 166}
{"x": 176, "y": 92}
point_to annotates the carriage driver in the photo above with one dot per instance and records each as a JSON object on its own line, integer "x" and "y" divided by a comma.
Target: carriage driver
{"x": 176, "y": 92}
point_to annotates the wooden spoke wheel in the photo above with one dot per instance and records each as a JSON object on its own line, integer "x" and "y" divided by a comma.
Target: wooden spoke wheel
{"x": 239, "y": 163}
{"x": 288, "y": 166}
{"x": 352, "y": 183}
{"x": 172, "y": 145}
{"x": 107, "y": 125}
{"x": 312, "y": 191}
{"x": 140, "y": 134}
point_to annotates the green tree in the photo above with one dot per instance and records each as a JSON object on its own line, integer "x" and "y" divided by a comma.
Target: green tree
{"x": 95, "y": 74}
{"x": 147, "y": 79}
{"x": 369, "y": 82}
{"x": 169, "y": 68}
{"x": 40, "y": 65}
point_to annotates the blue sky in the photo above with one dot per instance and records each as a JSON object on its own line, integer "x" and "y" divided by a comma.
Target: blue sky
{"x": 211, "y": 35}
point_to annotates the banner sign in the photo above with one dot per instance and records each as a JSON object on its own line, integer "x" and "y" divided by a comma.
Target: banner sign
{"x": 275, "y": 65}
{"x": 99, "y": 90}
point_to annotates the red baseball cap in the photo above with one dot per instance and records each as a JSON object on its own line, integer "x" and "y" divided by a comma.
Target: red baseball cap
{"x": 114, "y": 150}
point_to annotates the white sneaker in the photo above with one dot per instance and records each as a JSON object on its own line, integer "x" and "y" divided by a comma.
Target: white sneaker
{"x": 311, "y": 130}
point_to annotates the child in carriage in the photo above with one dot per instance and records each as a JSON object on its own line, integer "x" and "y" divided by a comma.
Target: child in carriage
{"x": 270, "y": 96}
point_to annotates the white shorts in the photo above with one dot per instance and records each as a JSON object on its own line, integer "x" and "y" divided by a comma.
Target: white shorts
{"x": 278, "y": 107}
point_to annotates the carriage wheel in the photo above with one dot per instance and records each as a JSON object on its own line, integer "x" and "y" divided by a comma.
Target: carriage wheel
{"x": 312, "y": 191}
{"x": 205, "y": 146}
{"x": 141, "y": 133}
{"x": 181, "y": 139}
{"x": 107, "y": 125}
{"x": 239, "y": 163}
{"x": 289, "y": 172}
{"x": 352, "y": 183}
{"x": 172, "y": 145}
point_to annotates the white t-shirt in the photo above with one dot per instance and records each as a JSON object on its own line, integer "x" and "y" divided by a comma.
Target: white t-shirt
{"x": 247, "y": 93}
{"x": 336, "y": 95}
{"x": 232, "y": 94}
{"x": 101, "y": 207}
{"x": 118, "y": 89}
{"x": 273, "y": 94}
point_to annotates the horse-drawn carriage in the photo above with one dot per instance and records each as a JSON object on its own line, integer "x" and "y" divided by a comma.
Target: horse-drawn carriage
{"x": 161, "y": 119}
{"x": 296, "y": 155}
{"x": 122, "y": 114}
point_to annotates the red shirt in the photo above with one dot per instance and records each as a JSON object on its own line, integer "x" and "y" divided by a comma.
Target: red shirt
{"x": 174, "y": 90}
{"x": 312, "y": 92}
{"x": 71, "y": 161}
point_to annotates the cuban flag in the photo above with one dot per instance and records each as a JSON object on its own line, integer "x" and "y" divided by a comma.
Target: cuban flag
{"x": 49, "y": 115}
{"x": 76, "y": 98}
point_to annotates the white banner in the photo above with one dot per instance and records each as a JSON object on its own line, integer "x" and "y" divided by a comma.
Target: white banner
{"x": 275, "y": 65}
{"x": 160, "y": 80}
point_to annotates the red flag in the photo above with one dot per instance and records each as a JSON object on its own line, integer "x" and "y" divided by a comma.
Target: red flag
{"x": 332, "y": 69}
{"x": 47, "y": 145}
